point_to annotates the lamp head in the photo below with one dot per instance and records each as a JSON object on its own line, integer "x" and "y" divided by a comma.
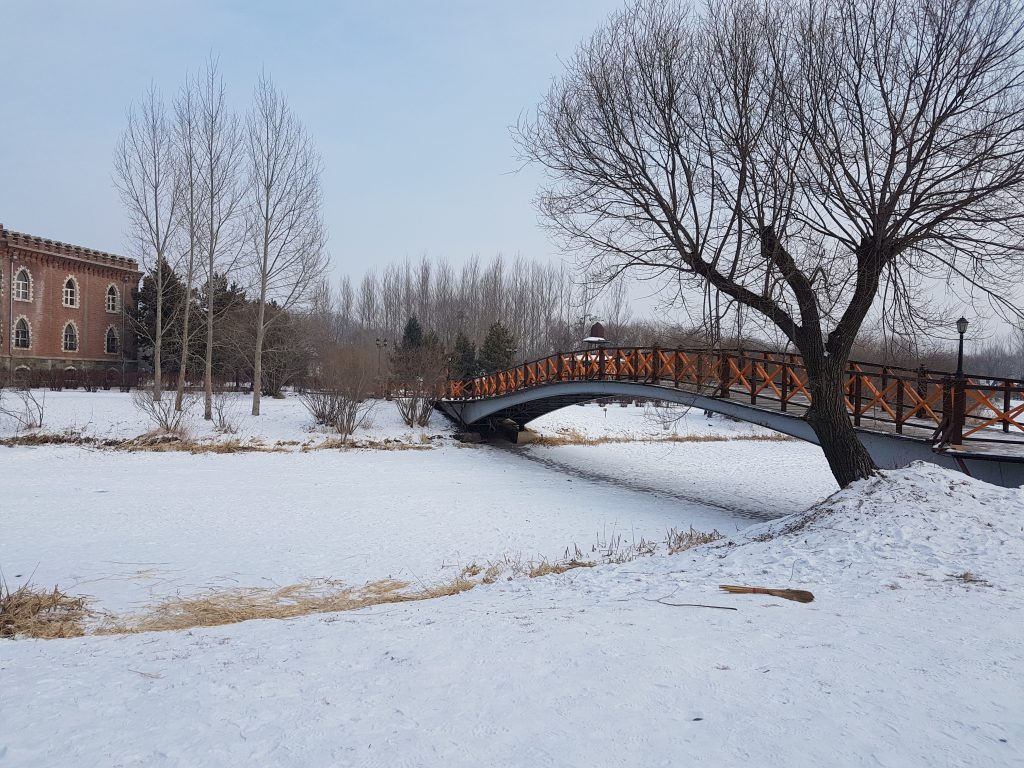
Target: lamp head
{"x": 596, "y": 334}
{"x": 961, "y": 326}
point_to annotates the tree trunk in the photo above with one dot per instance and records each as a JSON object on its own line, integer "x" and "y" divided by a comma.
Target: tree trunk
{"x": 257, "y": 368}
{"x": 208, "y": 372}
{"x": 179, "y": 397}
{"x": 829, "y": 418}
{"x": 158, "y": 341}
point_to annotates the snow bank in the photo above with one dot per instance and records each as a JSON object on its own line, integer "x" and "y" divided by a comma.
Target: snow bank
{"x": 917, "y": 523}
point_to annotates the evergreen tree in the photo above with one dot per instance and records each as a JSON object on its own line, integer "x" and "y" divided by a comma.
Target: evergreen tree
{"x": 463, "y": 358}
{"x": 412, "y": 336}
{"x": 498, "y": 350}
{"x": 231, "y": 318}
{"x": 172, "y": 310}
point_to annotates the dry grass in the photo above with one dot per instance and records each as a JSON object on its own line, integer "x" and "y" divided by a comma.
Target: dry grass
{"x": 679, "y": 541}
{"x": 387, "y": 444}
{"x": 969, "y": 577}
{"x": 46, "y": 614}
{"x": 613, "y": 551}
{"x": 491, "y": 574}
{"x": 544, "y": 568}
{"x": 160, "y": 442}
{"x": 574, "y": 437}
{"x": 34, "y": 612}
{"x": 233, "y": 606}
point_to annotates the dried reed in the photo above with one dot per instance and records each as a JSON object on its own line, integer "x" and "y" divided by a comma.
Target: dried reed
{"x": 34, "y": 612}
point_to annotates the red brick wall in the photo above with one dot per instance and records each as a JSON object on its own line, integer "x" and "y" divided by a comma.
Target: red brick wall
{"x": 50, "y": 265}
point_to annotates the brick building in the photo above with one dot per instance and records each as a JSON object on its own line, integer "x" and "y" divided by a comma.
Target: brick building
{"x": 64, "y": 306}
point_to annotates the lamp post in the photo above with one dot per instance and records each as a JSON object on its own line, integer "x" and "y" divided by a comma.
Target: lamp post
{"x": 956, "y": 435}
{"x": 382, "y": 344}
{"x": 961, "y": 328}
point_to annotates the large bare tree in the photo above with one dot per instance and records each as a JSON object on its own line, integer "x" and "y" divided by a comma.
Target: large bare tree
{"x": 284, "y": 227}
{"x": 186, "y": 156}
{"x": 811, "y": 161}
{"x": 146, "y": 176}
{"x": 220, "y": 157}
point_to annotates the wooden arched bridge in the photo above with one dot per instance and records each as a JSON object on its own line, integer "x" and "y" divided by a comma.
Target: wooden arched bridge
{"x": 969, "y": 422}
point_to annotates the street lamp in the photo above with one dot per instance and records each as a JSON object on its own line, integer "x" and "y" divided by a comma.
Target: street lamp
{"x": 596, "y": 335}
{"x": 961, "y": 328}
{"x": 382, "y": 345}
{"x": 959, "y": 400}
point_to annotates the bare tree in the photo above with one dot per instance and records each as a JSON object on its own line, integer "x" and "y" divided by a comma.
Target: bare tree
{"x": 808, "y": 160}
{"x": 221, "y": 153}
{"x": 145, "y": 175}
{"x": 283, "y": 225}
{"x": 186, "y": 149}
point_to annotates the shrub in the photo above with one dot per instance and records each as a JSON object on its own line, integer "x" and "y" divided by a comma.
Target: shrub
{"x": 339, "y": 395}
{"x": 27, "y": 410}
{"x": 225, "y": 413}
{"x": 166, "y": 419}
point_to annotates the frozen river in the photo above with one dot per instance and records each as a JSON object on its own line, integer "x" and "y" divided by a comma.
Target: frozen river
{"x": 129, "y": 528}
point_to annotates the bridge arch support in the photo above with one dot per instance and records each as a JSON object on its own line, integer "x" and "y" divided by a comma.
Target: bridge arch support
{"x": 889, "y": 451}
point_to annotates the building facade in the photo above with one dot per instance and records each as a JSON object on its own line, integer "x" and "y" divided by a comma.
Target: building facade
{"x": 64, "y": 306}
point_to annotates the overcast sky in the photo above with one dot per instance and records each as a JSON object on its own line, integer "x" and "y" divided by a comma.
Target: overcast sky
{"x": 408, "y": 102}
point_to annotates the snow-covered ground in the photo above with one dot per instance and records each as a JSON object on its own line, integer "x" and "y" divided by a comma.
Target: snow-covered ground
{"x": 911, "y": 654}
{"x": 902, "y": 660}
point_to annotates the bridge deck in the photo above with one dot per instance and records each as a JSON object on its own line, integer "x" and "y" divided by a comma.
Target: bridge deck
{"x": 985, "y": 416}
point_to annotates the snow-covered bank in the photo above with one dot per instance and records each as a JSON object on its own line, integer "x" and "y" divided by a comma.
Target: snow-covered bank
{"x": 902, "y": 660}
{"x": 285, "y": 422}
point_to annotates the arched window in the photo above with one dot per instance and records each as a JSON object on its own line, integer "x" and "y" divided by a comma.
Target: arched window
{"x": 22, "y": 334}
{"x": 23, "y": 285}
{"x": 70, "y": 292}
{"x": 111, "y": 342}
{"x": 113, "y": 300}
{"x": 70, "y": 338}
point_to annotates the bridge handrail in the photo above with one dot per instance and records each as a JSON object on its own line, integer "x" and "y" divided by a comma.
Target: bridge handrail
{"x": 969, "y": 408}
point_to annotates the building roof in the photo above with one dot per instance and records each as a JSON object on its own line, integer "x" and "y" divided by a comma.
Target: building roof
{"x": 32, "y": 242}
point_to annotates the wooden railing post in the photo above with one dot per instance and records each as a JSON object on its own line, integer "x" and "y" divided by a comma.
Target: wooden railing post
{"x": 654, "y": 365}
{"x": 559, "y": 367}
{"x": 899, "y": 406}
{"x": 723, "y": 376}
{"x": 752, "y": 379}
{"x": 956, "y": 432}
{"x": 677, "y": 367}
{"x": 1007, "y": 402}
{"x": 785, "y": 385}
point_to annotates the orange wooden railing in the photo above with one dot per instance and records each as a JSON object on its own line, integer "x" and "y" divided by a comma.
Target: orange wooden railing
{"x": 969, "y": 408}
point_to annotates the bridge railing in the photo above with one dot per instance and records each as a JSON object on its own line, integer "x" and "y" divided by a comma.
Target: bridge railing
{"x": 908, "y": 400}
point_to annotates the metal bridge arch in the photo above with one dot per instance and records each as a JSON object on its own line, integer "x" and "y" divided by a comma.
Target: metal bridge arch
{"x": 896, "y": 411}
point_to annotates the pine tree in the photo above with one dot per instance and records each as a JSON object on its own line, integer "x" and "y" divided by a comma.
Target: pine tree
{"x": 412, "y": 336}
{"x": 463, "y": 357}
{"x": 498, "y": 350}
